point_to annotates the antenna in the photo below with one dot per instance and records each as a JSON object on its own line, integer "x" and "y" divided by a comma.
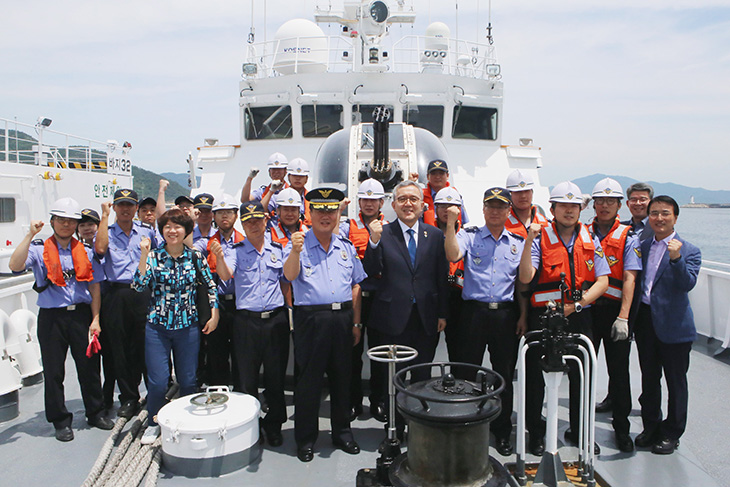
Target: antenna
{"x": 252, "y": 31}
{"x": 489, "y": 26}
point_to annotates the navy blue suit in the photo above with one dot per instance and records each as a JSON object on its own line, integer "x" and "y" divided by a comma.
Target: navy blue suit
{"x": 409, "y": 299}
{"x": 664, "y": 332}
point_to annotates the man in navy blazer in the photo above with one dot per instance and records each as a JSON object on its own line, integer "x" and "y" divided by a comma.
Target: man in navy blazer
{"x": 664, "y": 326}
{"x": 410, "y": 305}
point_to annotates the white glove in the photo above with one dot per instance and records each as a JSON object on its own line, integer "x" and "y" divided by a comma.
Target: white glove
{"x": 253, "y": 172}
{"x": 277, "y": 185}
{"x": 620, "y": 329}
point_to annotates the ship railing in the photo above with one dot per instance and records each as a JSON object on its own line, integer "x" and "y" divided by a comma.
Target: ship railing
{"x": 710, "y": 304}
{"x": 38, "y": 145}
{"x": 332, "y": 54}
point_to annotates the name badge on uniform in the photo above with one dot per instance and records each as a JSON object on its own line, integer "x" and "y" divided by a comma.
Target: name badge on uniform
{"x": 343, "y": 254}
{"x": 513, "y": 249}
{"x": 477, "y": 260}
{"x": 273, "y": 258}
{"x": 308, "y": 271}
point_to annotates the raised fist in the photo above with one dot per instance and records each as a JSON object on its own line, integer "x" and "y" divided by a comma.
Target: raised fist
{"x": 164, "y": 183}
{"x": 452, "y": 214}
{"x": 253, "y": 172}
{"x": 297, "y": 242}
{"x": 533, "y": 231}
{"x": 106, "y": 209}
{"x": 216, "y": 248}
{"x": 144, "y": 245}
{"x": 376, "y": 230}
{"x": 414, "y": 177}
{"x": 276, "y": 185}
{"x": 35, "y": 227}
{"x": 673, "y": 248}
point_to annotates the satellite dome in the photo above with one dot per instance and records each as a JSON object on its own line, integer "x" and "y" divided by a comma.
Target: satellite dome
{"x": 301, "y": 47}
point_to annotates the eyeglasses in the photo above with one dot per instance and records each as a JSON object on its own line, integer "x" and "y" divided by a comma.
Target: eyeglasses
{"x": 605, "y": 201}
{"x": 406, "y": 199}
{"x": 665, "y": 214}
{"x": 643, "y": 199}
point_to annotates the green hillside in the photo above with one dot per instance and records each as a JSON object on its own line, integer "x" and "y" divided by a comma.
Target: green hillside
{"x": 147, "y": 183}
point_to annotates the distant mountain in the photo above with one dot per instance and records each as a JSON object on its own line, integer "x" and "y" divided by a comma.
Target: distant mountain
{"x": 180, "y": 178}
{"x": 147, "y": 183}
{"x": 680, "y": 193}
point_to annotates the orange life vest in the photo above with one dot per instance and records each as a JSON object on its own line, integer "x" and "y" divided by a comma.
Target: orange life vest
{"x": 278, "y": 234}
{"x": 429, "y": 215}
{"x": 514, "y": 225}
{"x": 556, "y": 260}
{"x": 613, "y": 245}
{"x": 52, "y": 261}
{"x": 360, "y": 234}
{"x": 212, "y": 259}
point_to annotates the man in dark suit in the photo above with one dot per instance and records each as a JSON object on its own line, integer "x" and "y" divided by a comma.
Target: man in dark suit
{"x": 410, "y": 306}
{"x": 664, "y": 326}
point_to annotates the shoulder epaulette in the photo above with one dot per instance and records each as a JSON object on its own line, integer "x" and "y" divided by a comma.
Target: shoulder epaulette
{"x": 516, "y": 235}
{"x": 273, "y": 244}
{"x": 145, "y": 225}
{"x": 88, "y": 245}
{"x": 238, "y": 244}
{"x": 38, "y": 241}
{"x": 345, "y": 239}
{"x": 471, "y": 229}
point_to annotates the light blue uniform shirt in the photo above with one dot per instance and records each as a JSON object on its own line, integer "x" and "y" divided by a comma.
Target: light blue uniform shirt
{"x": 257, "y": 276}
{"x": 229, "y": 255}
{"x": 490, "y": 266}
{"x": 325, "y": 277}
{"x": 197, "y": 235}
{"x": 122, "y": 256}
{"x": 74, "y": 292}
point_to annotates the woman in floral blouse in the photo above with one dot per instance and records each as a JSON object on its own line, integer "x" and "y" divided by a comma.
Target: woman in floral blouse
{"x": 172, "y": 324}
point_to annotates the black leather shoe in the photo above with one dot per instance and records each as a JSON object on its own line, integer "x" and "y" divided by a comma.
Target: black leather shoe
{"x": 605, "y": 406}
{"x": 305, "y": 454}
{"x": 128, "y": 409}
{"x": 624, "y": 442}
{"x": 274, "y": 438}
{"x": 572, "y": 438}
{"x": 350, "y": 447}
{"x": 537, "y": 446}
{"x": 665, "y": 447}
{"x": 504, "y": 447}
{"x": 379, "y": 412}
{"x": 64, "y": 434}
{"x": 355, "y": 412}
{"x": 645, "y": 439}
{"x": 101, "y": 422}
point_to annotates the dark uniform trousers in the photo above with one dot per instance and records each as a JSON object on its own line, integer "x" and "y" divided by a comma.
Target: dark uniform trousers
{"x": 655, "y": 357}
{"x": 322, "y": 344}
{"x": 481, "y": 327}
{"x": 577, "y": 323}
{"x": 59, "y": 330}
{"x": 452, "y": 333}
{"x": 216, "y": 346}
{"x": 260, "y": 341}
{"x": 605, "y": 312}
{"x": 124, "y": 318}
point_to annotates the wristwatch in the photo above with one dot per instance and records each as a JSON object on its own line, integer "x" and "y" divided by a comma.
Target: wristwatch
{"x": 578, "y": 307}
{"x": 357, "y": 325}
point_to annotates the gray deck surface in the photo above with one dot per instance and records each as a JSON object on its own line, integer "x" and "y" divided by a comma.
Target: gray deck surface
{"x": 29, "y": 455}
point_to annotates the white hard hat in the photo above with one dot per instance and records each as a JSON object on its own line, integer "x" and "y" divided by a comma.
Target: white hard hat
{"x": 277, "y": 160}
{"x": 371, "y": 189}
{"x": 226, "y": 202}
{"x": 448, "y": 195}
{"x": 288, "y": 197}
{"x": 519, "y": 181}
{"x": 607, "y": 188}
{"x": 298, "y": 167}
{"x": 566, "y": 192}
{"x": 66, "y": 208}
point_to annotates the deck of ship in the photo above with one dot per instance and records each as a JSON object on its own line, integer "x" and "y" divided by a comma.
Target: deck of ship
{"x": 31, "y": 456}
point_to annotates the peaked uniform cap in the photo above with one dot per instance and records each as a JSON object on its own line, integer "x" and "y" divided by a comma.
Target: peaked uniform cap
{"x": 371, "y": 189}
{"x": 252, "y": 209}
{"x": 566, "y": 192}
{"x": 298, "y": 167}
{"x": 325, "y": 198}
{"x": 519, "y": 181}
{"x": 182, "y": 198}
{"x": 448, "y": 195}
{"x": 437, "y": 165}
{"x": 203, "y": 200}
{"x": 148, "y": 201}
{"x": 277, "y": 159}
{"x": 607, "y": 188}
{"x": 288, "y": 197}
{"x": 87, "y": 214}
{"x": 126, "y": 196}
{"x": 498, "y": 194}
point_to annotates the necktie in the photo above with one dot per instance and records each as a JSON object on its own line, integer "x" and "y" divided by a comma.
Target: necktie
{"x": 412, "y": 246}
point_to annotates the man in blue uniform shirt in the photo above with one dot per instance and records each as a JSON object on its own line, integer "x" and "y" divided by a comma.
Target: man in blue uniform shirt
{"x": 203, "y": 204}
{"x": 261, "y": 326}
{"x": 67, "y": 279}
{"x": 325, "y": 274}
{"x": 491, "y": 314}
{"x": 124, "y": 311}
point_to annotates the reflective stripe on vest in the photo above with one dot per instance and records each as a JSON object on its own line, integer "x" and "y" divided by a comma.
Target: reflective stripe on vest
{"x": 613, "y": 248}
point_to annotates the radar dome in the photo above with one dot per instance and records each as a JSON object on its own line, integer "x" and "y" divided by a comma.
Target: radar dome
{"x": 301, "y": 47}
{"x": 437, "y": 36}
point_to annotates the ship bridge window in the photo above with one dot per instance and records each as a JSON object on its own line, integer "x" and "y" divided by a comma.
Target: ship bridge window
{"x": 272, "y": 122}
{"x": 321, "y": 120}
{"x": 364, "y": 113}
{"x": 7, "y": 210}
{"x": 429, "y": 117}
{"x": 474, "y": 123}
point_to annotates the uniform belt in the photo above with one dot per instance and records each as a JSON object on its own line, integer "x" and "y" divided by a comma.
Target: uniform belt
{"x": 120, "y": 285}
{"x": 261, "y": 314}
{"x": 326, "y": 307}
{"x": 73, "y": 307}
{"x": 500, "y": 305}
{"x": 227, "y": 297}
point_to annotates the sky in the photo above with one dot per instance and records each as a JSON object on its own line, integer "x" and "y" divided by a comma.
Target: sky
{"x": 639, "y": 88}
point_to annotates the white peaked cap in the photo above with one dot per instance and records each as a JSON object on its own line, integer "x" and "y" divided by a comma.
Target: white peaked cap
{"x": 298, "y": 167}
{"x": 519, "y": 181}
{"x": 288, "y": 197}
{"x": 448, "y": 195}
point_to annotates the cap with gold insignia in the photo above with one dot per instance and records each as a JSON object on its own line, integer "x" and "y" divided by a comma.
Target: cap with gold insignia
{"x": 437, "y": 165}
{"x": 277, "y": 160}
{"x": 203, "y": 201}
{"x": 519, "y": 181}
{"x": 288, "y": 197}
{"x": 371, "y": 189}
{"x": 607, "y": 188}
{"x": 226, "y": 202}
{"x": 183, "y": 198}
{"x": 148, "y": 201}
{"x": 252, "y": 209}
{"x": 327, "y": 199}
{"x": 566, "y": 192}
{"x": 89, "y": 215}
{"x": 298, "y": 167}
{"x": 126, "y": 196}
{"x": 448, "y": 196}
{"x": 499, "y": 194}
